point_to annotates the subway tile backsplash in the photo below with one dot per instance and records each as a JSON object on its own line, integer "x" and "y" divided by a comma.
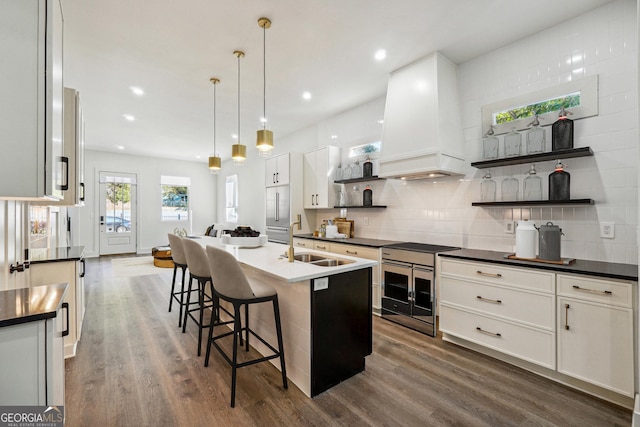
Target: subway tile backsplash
{"x": 602, "y": 42}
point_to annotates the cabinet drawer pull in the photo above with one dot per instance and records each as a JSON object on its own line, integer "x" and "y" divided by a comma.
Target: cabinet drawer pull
{"x": 301, "y": 244}
{"x": 489, "y": 274}
{"x": 352, "y": 252}
{"x": 493, "y": 334}
{"x": 566, "y": 317}
{"x": 492, "y": 301}
{"x": 595, "y": 291}
{"x": 322, "y": 247}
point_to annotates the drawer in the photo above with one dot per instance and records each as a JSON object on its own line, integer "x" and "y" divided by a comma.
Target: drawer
{"x": 533, "y": 345}
{"x": 354, "y": 250}
{"x": 525, "y": 278}
{"x": 534, "y": 309}
{"x": 597, "y": 290}
{"x": 302, "y": 243}
{"x": 322, "y": 246}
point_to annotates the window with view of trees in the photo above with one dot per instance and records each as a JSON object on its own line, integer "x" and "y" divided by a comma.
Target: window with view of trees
{"x": 540, "y": 108}
{"x": 175, "y": 198}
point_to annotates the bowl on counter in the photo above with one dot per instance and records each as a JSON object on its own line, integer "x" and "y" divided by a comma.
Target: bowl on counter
{"x": 244, "y": 242}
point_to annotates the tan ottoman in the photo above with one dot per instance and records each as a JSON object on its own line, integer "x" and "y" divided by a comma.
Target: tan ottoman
{"x": 162, "y": 256}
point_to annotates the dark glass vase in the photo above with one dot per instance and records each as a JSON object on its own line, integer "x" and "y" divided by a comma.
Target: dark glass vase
{"x": 562, "y": 132}
{"x": 367, "y": 168}
{"x": 367, "y": 197}
{"x": 559, "y": 184}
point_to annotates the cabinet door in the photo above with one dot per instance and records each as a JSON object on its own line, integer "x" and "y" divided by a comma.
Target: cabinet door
{"x": 322, "y": 178}
{"x": 595, "y": 344}
{"x": 282, "y": 171}
{"x": 270, "y": 171}
{"x": 31, "y": 107}
{"x": 309, "y": 190}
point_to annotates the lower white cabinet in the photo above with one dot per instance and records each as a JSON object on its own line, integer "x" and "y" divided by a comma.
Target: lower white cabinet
{"x": 595, "y": 338}
{"x": 573, "y": 325}
{"x": 71, "y": 272}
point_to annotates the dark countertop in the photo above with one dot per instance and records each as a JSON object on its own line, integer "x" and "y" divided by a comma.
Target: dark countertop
{"x": 30, "y": 304}
{"x": 592, "y": 268}
{"x": 359, "y": 241}
{"x": 71, "y": 253}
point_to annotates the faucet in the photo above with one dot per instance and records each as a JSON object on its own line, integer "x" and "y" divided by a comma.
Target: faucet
{"x": 298, "y": 222}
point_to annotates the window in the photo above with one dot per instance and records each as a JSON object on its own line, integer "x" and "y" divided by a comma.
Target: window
{"x": 365, "y": 149}
{"x": 175, "y": 198}
{"x": 232, "y": 198}
{"x": 548, "y": 106}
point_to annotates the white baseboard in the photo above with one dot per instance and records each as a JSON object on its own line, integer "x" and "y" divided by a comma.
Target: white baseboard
{"x": 635, "y": 421}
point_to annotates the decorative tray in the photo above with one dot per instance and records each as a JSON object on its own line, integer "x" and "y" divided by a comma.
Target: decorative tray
{"x": 244, "y": 242}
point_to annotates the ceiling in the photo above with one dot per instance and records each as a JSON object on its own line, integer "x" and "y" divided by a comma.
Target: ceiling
{"x": 170, "y": 49}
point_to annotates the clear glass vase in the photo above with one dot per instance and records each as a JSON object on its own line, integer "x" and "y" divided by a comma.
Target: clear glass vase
{"x": 512, "y": 144}
{"x": 509, "y": 189}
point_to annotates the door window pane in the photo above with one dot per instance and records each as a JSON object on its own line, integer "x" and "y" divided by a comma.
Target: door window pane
{"x": 118, "y": 207}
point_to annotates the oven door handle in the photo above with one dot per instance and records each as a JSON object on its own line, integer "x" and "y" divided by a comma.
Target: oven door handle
{"x": 396, "y": 264}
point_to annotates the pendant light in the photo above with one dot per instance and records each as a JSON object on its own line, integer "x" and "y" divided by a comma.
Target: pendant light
{"x": 264, "y": 141}
{"x": 215, "y": 163}
{"x": 238, "y": 151}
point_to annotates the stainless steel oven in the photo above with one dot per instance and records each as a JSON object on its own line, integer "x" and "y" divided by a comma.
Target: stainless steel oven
{"x": 408, "y": 285}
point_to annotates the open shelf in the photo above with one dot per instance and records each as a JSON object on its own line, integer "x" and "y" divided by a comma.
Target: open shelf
{"x": 532, "y": 158}
{"x": 361, "y": 207}
{"x": 523, "y": 203}
{"x": 348, "y": 181}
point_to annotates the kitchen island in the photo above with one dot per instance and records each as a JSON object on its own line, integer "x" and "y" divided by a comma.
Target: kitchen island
{"x": 325, "y": 312}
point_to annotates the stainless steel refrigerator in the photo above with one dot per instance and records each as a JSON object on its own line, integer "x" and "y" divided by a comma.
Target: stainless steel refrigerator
{"x": 278, "y": 213}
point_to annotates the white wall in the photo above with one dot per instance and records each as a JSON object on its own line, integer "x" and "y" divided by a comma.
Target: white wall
{"x": 151, "y": 230}
{"x": 440, "y": 212}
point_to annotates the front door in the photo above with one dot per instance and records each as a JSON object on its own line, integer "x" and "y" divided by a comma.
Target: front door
{"x": 117, "y": 219}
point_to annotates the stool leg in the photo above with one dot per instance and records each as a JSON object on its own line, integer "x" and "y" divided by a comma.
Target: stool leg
{"x": 173, "y": 286}
{"x": 246, "y": 321}
{"x": 276, "y": 313}
{"x": 234, "y": 366}
{"x": 186, "y": 308}
{"x": 211, "y": 326}
{"x": 201, "y": 285}
{"x": 184, "y": 270}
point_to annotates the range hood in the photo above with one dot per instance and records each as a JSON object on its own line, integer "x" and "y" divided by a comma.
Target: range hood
{"x": 422, "y": 135}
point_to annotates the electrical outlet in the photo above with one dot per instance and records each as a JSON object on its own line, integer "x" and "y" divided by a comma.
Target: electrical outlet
{"x": 365, "y": 220}
{"x": 510, "y": 227}
{"x": 607, "y": 230}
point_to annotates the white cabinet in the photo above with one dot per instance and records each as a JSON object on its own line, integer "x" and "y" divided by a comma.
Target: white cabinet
{"x": 319, "y": 168}
{"x": 71, "y": 272}
{"x": 33, "y": 165}
{"x": 14, "y": 240}
{"x": 506, "y": 309}
{"x": 277, "y": 170}
{"x": 595, "y": 332}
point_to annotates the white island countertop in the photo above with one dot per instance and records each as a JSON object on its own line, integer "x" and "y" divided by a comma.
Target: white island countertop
{"x": 270, "y": 259}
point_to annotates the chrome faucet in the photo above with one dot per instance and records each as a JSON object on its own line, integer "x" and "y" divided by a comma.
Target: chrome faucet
{"x": 299, "y": 224}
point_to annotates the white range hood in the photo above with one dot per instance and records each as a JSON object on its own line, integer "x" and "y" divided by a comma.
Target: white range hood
{"x": 422, "y": 134}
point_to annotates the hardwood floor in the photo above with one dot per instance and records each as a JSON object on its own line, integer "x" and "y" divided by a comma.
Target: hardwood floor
{"x": 134, "y": 367}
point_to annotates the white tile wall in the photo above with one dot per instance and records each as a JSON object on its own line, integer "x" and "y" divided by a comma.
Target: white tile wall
{"x": 602, "y": 42}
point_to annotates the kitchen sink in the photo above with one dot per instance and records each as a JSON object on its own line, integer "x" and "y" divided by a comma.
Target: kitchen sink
{"x": 308, "y": 257}
{"x": 331, "y": 262}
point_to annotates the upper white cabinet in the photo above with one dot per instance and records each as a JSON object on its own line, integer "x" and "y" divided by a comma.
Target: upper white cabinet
{"x": 319, "y": 167}
{"x": 422, "y": 132}
{"x": 33, "y": 165}
{"x": 277, "y": 170}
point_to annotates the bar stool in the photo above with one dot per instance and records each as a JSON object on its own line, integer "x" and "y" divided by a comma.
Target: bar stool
{"x": 179, "y": 261}
{"x": 231, "y": 285}
{"x": 198, "y": 269}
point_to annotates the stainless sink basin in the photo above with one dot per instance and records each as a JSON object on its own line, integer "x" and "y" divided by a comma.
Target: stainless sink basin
{"x": 330, "y": 262}
{"x": 308, "y": 257}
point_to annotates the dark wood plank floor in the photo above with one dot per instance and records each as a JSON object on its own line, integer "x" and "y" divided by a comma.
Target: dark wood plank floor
{"x": 135, "y": 368}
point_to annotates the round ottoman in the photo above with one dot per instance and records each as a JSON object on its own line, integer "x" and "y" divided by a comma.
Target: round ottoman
{"x": 162, "y": 256}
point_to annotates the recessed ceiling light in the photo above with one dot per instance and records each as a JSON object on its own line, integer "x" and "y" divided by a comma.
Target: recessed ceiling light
{"x": 136, "y": 90}
{"x": 380, "y": 54}
{"x": 381, "y": 121}
{"x": 120, "y": 147}
{"x": 334, "y": 136}
{"x": 128, "y": 117}
{"x": 234, "y": 136}
{"x": 197, "y": 157}
{"x": 306, "y": 95}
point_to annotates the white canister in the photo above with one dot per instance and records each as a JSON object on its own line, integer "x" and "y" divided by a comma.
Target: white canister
{"x": 332, "y": 230}
{"x": 526, "y": 239}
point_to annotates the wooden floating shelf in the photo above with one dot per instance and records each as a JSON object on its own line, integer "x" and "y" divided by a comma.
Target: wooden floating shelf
{"x": 532, "y": 158}
{"x": 522, "y": 203}
{"x": 361, "y": 207}
{"x": 348, "y": 181}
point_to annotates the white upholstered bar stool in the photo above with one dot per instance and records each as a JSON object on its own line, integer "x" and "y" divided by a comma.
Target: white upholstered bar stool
{"x": 231, "y": 285}
{"x": 198, "y": 265}
{"x": 179, "y": 261}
